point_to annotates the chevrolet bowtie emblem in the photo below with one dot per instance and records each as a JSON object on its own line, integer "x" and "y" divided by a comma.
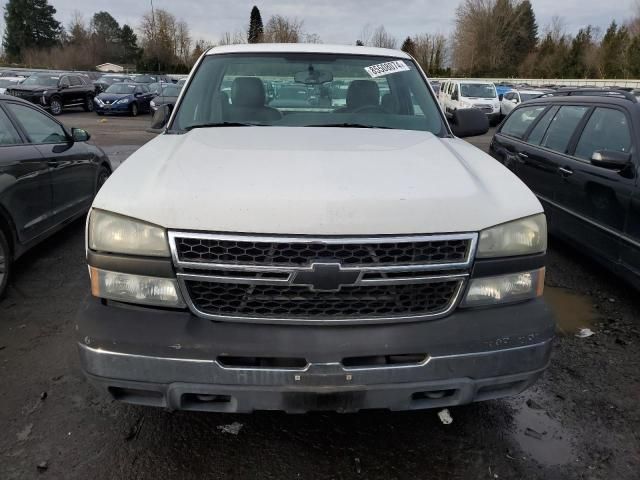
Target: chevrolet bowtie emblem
{"x": 325, "y": 277}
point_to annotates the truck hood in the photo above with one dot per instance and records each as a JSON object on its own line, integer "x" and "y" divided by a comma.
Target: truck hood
{"x": 315, "y": 181}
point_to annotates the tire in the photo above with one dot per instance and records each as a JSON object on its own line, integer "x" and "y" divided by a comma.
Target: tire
{"x": 133, "y": 111}
{"x": 55, "y": 106}
{"x": 103, "y": 175}
{"x": 5, "y": 264}
{"x": 88, "y": 104}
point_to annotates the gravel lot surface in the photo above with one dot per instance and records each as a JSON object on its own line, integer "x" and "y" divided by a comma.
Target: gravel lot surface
{"x": 581, "y": 421}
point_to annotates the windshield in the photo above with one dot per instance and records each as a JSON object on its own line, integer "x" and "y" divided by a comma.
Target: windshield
{"x": 144, "y": 79}
{"x": 6, "y": 83}
{"x": 478, "y": 90}
{"x": 121, "y": 88}
{"x": 304, "y": 90}
{"x": 170, "y": 91}
{"x": 44, "y": 80}
{"x": 529, "y": 96}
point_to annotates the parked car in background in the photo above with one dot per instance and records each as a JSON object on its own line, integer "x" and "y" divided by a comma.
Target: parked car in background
{"x": 106, "y": 81}
{"x": 435, "y": 85}
{"x": 56, "y": 92}
{"x": 182, "y": 82}
{"x": 127, "y": 98}
{"x": 48, "y": 177}
{"x": 6, "y": 82}
{"x": 580, "y": 154}
{"x": 512, "y": 99}
{"x": 157, "y": 87}
{"x": 292, "y": 96}
{"x": 502, "y": 88}
{"x": 476, "y": 94}
{"x": 168, "y": 96}
{"x": 636, "y": 93}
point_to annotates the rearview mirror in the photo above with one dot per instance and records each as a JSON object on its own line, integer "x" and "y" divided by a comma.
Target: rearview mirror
{"x": 610, "y": 159}
{"x": 313, "y": 77}
{"x": 469, "y": 122}
{"x": 160, "y": 118}
{"x": 80, "y": 135}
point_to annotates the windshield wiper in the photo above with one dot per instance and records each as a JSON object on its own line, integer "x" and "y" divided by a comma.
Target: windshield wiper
{"x": 348, "y": 125}
{"x": 225, "y": 124}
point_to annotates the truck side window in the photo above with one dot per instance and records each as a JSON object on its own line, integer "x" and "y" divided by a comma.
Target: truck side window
{"x": 607, "y": 129}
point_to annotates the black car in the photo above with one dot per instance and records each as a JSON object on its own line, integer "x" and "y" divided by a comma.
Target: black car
{"x": 168, "y": 95}
{"x": 55, "y": 91}
{"x": 48, "y": 177}
{"x": 580, "y": 155}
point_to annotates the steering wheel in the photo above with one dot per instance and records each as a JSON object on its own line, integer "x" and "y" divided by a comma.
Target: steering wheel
{"x": 369, "y": 109}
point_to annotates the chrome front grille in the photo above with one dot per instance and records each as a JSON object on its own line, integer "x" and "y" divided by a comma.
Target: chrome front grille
{"x": 321, "y": 280}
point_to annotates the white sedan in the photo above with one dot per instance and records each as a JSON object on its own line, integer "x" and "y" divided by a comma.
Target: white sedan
{"x": 516, "y": 97}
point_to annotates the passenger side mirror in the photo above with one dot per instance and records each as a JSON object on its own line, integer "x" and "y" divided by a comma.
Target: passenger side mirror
{"x": 160, "y": 118}
{"x": 80, "y": 135}
{"x": 469, "y": 122}
{"x": 610, "y": 159}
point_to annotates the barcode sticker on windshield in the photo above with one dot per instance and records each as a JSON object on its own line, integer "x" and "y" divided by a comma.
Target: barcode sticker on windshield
{"x": 386, "y": 68}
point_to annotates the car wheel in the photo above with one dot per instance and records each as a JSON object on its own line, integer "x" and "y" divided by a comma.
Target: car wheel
{"x": 56, "y": 106}
{"x": 103, "y": 175}
{"x": 134, "y": 110}
{"x": 5, "y": 263}
{"x": 88, "y": 104}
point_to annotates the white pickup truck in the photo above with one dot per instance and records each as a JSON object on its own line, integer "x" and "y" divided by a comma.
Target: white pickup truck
{"x": 322, "y": 256}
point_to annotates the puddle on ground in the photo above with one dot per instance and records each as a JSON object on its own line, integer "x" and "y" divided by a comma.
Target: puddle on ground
{"x": 541, "y": 437}
{"x": 573, "y": 311}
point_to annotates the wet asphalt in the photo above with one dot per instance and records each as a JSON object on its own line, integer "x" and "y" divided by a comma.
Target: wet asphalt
{"x": 580, "y": 421}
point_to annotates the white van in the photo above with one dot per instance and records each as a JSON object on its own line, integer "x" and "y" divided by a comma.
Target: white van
{"x": 473, "y": 94}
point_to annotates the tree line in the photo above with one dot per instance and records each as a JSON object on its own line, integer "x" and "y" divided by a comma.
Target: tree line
{"x": 501, "y": 38}
{"x": 497, "y": 38}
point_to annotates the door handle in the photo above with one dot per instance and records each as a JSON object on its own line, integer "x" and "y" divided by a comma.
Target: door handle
{"x": 565, "y": 171}
{"x": 523, "y": 155}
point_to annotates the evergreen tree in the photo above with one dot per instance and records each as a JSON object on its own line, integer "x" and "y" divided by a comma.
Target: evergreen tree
{"x": 129, "y": 45}
{"x": 526, "y": 35}
{"x": 578, "y": 61}
{"x": 29, "y": 24}
{"x": 613, "y": 52}
{"x": 409, "y": 46}
{"x": 256, "y": 28}
{"x": 633, "y": 57}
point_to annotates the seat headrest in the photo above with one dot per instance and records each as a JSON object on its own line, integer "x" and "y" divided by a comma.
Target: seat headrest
{"x": 248, "y": 92}
{"x": 362, "y": 93}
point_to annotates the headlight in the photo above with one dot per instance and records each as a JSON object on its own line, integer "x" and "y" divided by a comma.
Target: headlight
{"x": 123, "y": 287}
{"x": 152, "y": 103}
{"x": 522, "y": 237}
{"x": 124, "y": 100}
{"x": 99, "y": 102}
{"x": 113, "y": 233}
{"x": 514, "y": 287}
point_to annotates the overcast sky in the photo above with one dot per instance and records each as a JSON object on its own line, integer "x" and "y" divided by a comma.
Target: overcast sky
{"x": 336, "y": 21}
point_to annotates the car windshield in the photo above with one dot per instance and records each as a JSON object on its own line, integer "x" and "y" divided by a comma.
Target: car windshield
{"x": 6, "y": 83}
{"x": 121, "y": 88}
{"x": 478, "y": 90}
{"x": 381, "y": 92}
{"x": 144, "y": 79}
{"x": 170, "y": 91}
{"x": 44, "y": 80}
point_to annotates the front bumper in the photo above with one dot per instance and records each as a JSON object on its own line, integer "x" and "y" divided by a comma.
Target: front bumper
{"x": 111, "y": 108}
{"x": 171, "y": 359}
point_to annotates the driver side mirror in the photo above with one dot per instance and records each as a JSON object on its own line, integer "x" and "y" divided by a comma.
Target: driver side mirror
{"x": 611, "y": 160}
{"x": 80, "y": 135}
{"x": 160, "y": 119}
{"x": 469, "y": 122}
